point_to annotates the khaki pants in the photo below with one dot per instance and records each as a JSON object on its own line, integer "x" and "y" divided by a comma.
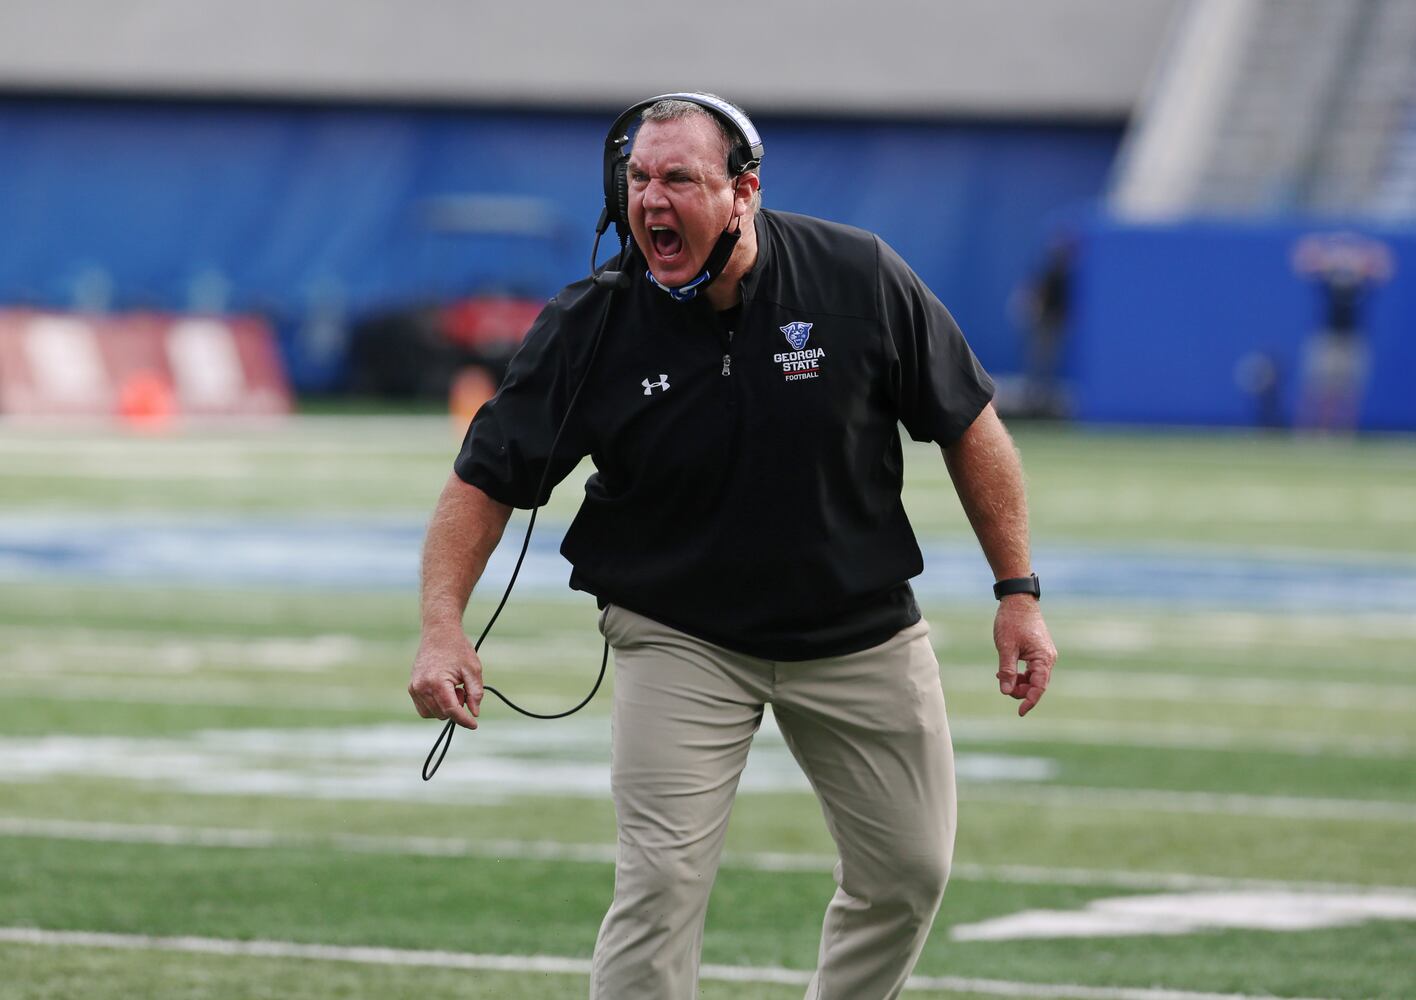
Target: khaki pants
{"x": 869, "y": 731}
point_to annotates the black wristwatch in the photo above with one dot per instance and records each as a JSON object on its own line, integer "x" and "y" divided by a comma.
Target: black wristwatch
{"x": 1018, "y": 585}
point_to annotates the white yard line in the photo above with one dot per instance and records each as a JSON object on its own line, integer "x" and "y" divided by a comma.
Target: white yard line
{"x": 187, "y": 472}
{"x": 395, "y": 435}
{"x": 1239, "y": 629}
{"x": 1229, "y": 804}
{"x": 125, "y": 657}
{"x": 1171, "y": 685}
{"x": 544, "y": 964}
{"x": 29, "y": 678}
{"x": 200, "y": 694}
{"x": 367, "y": 762}
{"x": 545, "y": 850}
{"x": 1091, "y": 732}
{"x": 1205, "y": 502}
{"x": 1178, "y": 686}
{"x": 135, "y": 650}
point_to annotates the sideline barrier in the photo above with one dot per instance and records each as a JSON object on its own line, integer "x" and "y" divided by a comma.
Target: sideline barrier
{"x": 1169, "y": 318}
{"x": 139, "y": 365}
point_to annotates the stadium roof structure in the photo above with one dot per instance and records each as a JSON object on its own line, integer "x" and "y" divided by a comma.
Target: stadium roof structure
{"x": 995, "y": 58}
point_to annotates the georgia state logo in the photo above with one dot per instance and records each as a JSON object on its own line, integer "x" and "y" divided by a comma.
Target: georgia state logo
{"x": 801, "y": 362}
{"x": 796, "y": 334}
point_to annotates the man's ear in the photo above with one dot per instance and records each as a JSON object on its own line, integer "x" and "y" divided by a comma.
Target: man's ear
{"x": 744, "y": 187}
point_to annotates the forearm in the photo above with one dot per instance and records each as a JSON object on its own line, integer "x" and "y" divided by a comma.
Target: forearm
{"x": 988, "y": 476}
{"x": 466, "y": 526}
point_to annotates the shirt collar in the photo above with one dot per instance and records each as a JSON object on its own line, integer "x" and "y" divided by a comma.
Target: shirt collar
{"x": 753, "y": 277}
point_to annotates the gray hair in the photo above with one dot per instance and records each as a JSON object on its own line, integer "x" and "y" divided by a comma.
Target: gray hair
{"x": 672, "y": 111}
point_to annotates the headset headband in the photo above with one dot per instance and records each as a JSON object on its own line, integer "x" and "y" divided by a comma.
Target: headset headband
{"x": 747, "y": 150}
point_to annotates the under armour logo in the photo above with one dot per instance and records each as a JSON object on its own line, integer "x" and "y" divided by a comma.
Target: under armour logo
{"x": 649, "y": 387}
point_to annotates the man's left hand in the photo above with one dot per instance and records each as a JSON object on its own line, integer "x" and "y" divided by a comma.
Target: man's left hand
{"x": 1021, "y": 635}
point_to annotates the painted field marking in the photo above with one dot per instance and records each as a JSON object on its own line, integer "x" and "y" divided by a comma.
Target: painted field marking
{"x": 212, "y": 694}
{"x": 99, "y": 651}
{"x": 1237, "y": 628}
{"x": 142, "y": 688}
{"x": 1219, "y": 803}
{"x": 1205, "y": 501}
{"x": 396, "y": 434}
{"x": 1178, "y": 686}
{"x": 377, "y": 552}
{"x": 544, "y": 964}
{"x": 378, "y": 762}
{"x": 548, "y": 850}
{"x": 148, "y": 470}
{"x": 1189, "y": 913}
{"x": 371, "y": 762}
{"x": 1093, "y": 732}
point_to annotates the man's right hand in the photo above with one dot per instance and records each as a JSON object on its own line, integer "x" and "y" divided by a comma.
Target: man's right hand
{"x": 447, "y": 676}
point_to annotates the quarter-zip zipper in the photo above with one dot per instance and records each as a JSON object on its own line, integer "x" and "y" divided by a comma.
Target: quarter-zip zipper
{"x": 726, "y": 336}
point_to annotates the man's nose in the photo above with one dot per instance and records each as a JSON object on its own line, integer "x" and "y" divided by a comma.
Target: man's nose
{"x": 655, "y": 194}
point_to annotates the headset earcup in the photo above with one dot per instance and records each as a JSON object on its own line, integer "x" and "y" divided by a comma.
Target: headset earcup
{"x": 621, "y": 186}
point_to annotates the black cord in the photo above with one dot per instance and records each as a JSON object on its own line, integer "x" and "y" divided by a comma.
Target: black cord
{"x": 444, "y": 740}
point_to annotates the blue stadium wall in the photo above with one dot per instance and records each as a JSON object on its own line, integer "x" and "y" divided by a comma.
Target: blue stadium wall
{"x": 318, "y": 214}
{"x": 1166, "y": 315}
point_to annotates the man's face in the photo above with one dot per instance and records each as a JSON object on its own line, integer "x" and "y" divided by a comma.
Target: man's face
{"x": 680, "y": 198}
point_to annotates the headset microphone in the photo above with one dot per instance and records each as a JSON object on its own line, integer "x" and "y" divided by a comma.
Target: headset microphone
{"x": 611, "y": 279}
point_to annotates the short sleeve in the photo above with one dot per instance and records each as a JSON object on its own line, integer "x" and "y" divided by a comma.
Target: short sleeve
{"x": 938, "y": 383}
{"x": 508, "y": 445}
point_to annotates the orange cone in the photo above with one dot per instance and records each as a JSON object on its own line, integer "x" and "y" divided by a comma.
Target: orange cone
{"x": 146, "y": 402}
{"x": 471, "y": 387}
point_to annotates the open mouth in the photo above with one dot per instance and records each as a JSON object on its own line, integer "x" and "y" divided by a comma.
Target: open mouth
{"x": 667, "y": 243}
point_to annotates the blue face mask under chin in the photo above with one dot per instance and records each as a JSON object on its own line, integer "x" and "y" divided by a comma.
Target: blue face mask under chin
{"x": 717, "y": 260}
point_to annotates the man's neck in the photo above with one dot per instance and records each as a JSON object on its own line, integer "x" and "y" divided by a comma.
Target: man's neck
{"x": 726, "y": 290}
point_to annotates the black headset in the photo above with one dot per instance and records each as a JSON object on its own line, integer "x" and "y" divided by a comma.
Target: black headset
{"x": 746, "y": 152}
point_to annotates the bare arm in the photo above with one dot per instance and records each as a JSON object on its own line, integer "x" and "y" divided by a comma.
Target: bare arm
{"x": 465, "y": 528}
{"x": 988, "y": 477}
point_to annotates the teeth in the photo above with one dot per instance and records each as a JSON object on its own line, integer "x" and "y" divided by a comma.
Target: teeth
{"x": 658, "y": 229}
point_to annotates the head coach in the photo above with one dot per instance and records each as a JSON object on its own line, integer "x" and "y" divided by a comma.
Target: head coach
{"x": 739, "y": 383}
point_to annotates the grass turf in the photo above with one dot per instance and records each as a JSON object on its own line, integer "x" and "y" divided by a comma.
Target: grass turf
{"x": 1297, "y": 704}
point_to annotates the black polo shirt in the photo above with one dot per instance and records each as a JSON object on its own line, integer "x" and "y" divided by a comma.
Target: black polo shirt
{"x": 748, "y": 486}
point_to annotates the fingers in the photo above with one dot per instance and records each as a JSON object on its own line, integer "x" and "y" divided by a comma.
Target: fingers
{"x": 447, "y": 678}
{"x": 418, "y": 703}
{"x": 1035, "y": 689}
{"x": 450, "y": 706}
{"x": 1020, "y": 635}
{"x": 443, "y": 702}
{"x": 1032, "y": 685}
{"x": 472, "y": 691}
{"x": 1007, "y": 669}
{"x": 1029, "y": 685}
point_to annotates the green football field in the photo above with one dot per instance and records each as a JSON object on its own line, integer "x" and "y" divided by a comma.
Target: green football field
{"x": 209, "y": 767}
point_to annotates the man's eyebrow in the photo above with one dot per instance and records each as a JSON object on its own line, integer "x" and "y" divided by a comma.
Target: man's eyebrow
{"x": 674, "y": 173}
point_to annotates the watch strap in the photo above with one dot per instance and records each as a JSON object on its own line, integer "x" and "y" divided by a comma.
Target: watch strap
{"x": 1018, "y": 585}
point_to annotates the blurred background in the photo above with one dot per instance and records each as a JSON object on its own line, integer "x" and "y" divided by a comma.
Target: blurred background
{"x": 1110, "y": 197}
{"x": 261, "y": 261}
